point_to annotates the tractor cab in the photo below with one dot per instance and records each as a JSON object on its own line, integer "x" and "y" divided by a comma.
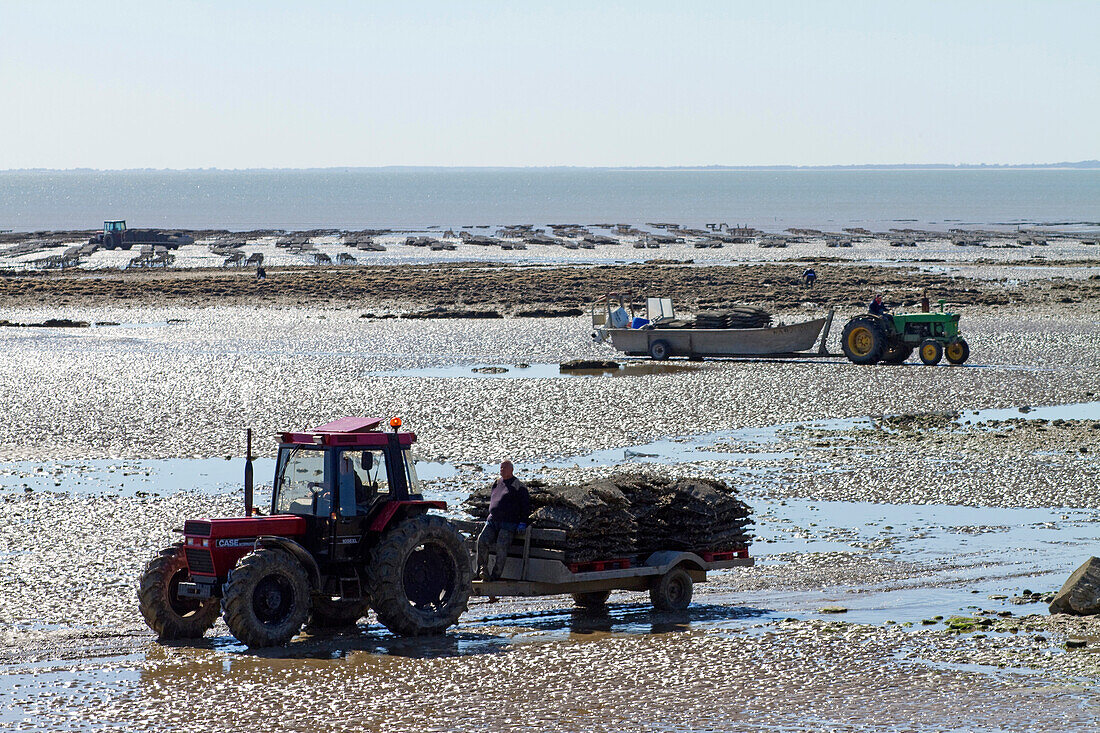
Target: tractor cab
{"x": 113, "y": 235}
{"x": 346, "y": 479}
{"x": 345, "y": 469}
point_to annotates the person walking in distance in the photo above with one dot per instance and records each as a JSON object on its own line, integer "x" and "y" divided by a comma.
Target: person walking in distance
{"x": 509, "y": 508}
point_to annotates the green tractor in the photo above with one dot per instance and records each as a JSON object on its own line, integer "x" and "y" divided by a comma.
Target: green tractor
{"x": 891, "y": 338}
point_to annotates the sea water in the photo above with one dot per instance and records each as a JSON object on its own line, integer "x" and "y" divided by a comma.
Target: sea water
{"x": 416, "y": 198}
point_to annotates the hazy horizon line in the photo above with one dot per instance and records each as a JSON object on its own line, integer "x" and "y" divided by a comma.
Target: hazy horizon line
{"x": 1064, "y": 165}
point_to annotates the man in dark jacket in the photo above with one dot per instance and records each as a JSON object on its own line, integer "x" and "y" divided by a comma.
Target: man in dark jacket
{"x": 509, "y": 508}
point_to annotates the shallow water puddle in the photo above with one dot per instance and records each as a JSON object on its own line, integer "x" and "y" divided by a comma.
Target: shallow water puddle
{"x": 132, "y": 477}
{"x": 952, "y": 558}
{"x": 541, "y": 371}
{"x": 708, "y": 446}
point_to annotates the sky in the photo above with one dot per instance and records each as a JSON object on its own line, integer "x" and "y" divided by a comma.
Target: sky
{"x": 274, "y": 84}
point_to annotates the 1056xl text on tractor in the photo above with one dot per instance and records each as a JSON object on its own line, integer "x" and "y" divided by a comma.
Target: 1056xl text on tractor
{"x": 347, "y": 531}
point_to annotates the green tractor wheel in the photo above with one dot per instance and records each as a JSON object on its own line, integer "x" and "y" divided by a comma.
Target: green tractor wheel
{"x": 931, "y": 351}
{"x": 957, "y": 352}
{"x": 863, "y": 340}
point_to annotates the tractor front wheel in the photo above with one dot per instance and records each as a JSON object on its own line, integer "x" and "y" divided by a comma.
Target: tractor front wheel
{"x": 419, "y": 576}
{"x": 266, "y": 598}
{"x": 166, "y": 613}
{"x": 957, "y": 352}
{"x": 931, "y": 351}
{"x": 863, "y": 340}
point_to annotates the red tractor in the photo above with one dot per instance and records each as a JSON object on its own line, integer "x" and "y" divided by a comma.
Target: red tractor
{"x": 347, "y": 531}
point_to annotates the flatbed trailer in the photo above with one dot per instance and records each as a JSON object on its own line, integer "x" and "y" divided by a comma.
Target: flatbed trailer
{"x": 537, "y": 566}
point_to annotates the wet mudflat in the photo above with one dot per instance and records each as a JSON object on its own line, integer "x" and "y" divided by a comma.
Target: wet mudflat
{"x": 881, "y": 502}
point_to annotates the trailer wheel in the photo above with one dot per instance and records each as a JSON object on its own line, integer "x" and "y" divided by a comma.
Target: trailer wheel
{"x": 660, "y": 350}
{"x": 594, "y": 599}
{"x": 671, "y": 591}
{"x": 326, "y": 613}
{"x": 166, "y": 613}
{"x": 266, "y": 598}
{"x": 419, "y": 576}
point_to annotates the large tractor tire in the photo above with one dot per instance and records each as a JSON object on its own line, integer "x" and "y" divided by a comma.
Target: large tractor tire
{"x": 897, "y": 354}
{"x": 931, "y": 351}
{"x": 863, "y": 340}
{"x": 266, "y": 598}
{"x": 957, "y": 352}
{"x": 166, "y": 613}
{"x": 593, "y": 599}
{"x": 327, "y": 613}
{"x": 419, "y": 576}
{"x": 671, "y": 591}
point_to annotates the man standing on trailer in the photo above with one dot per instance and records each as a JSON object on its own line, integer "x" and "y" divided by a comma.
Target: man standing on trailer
{"x": 509, "y": 508}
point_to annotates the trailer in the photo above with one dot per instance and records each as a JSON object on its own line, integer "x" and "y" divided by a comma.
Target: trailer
{"x": 659, "y": 335}
{"x": 538, "y": 566}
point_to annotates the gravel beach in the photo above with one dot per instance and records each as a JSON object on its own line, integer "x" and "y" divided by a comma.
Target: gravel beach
{"x": 891, "y": 493}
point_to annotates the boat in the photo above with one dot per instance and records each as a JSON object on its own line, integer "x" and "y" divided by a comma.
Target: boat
{"x": 660, "y": 335}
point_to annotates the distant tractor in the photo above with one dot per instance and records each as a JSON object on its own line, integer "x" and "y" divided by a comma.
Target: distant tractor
{"x": 891, "y": 338}
{"x": 115, "y": 235}
{"x": 347, "y": 530}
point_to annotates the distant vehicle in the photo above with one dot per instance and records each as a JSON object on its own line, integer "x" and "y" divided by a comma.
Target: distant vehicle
{"x": 115, "y": 235}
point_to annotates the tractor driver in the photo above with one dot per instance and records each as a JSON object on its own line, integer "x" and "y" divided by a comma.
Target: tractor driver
{"x": 364, "y": 469}
{"x": 878, "y": 306}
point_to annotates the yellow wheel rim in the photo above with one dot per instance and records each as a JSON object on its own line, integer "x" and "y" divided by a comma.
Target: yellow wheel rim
{"x": 860, "y": 341}
{"x": 955, "y": 352}
{"x": 928, "y": 352}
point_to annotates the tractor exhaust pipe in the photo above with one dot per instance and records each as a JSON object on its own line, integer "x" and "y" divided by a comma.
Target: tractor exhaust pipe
{"x": 248, "y": 472}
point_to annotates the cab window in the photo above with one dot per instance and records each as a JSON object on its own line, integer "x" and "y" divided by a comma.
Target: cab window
{"x": 301, "y": 483}
{"x": 364, "y": 472}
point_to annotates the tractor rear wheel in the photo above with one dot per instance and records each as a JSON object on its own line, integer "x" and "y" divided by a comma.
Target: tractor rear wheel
{"x": 957, "y": 352}
{"x": 897, "y": 354}
{"x": 594, "y": 599}
{"x": 266, "y": 598}
{"x": 671, "y": 591}
{"x": 931, "y": 351}
{"x": 863, "y": 340}
{"x": 326, "y": 613}
{"x": 166, "y": 613}
{"x": 419, "y": 576}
